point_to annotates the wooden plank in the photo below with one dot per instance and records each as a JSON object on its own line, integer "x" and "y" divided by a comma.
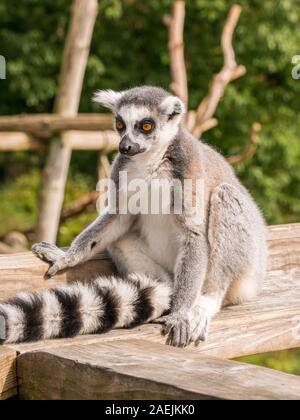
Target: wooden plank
{"x": 8, "y": 373}
{"x": 284, "y": 248}
{"x": 24, "y": 272}
{"x": 141, "y": 370}
{"x": 271, "y": 322}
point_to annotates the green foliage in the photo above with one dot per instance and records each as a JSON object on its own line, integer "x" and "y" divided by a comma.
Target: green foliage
{"x": 130, "y": 47}
{"x": 285, "y": 361}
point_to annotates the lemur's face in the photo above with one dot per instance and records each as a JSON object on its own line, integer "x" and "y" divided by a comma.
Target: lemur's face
{"x": 146, "y": 118}
{"x": 138, "y": 128}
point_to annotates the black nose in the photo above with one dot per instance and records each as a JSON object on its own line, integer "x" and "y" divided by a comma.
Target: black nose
{"x": 128, "y": 147}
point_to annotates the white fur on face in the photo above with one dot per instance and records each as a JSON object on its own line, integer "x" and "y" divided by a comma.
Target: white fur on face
{"x": 132, "y": 113}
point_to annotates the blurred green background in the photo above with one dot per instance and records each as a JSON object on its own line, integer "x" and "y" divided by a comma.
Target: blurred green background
{"x": 130, "y": 48}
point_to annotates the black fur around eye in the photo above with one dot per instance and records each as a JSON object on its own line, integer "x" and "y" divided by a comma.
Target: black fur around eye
{"x": 120, "y": 125}
{"x": 147, "y": 126}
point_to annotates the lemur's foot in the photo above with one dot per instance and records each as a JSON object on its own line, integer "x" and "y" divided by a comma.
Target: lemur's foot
{"x": 52, "y": 255}
{"x": 183, "y": 329}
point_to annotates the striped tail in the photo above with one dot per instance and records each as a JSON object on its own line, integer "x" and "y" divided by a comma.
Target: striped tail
{"x": 79, "y": 309}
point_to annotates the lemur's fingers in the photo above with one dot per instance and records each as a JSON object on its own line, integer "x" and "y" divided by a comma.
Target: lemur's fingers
{"x": 177, "y": 328}
{"x": 55, "y": 268}
{"x": 181, "y": 333}
{"x": 161, "y": 320}
{"x": 47, "y": 252}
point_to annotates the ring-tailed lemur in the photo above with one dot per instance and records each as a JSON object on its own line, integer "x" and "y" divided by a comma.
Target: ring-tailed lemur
{"x": 168, "y": 268}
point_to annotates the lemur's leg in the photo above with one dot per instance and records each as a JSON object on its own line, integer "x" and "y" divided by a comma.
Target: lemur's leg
{"x": 233, "y": 257}
{"x": 130, "y": 256}
{"x": 237, "y": 257}
{"x": 95, "y": 238}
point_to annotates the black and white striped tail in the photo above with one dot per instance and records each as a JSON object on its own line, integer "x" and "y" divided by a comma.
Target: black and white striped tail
{"x": 78, "y": 309}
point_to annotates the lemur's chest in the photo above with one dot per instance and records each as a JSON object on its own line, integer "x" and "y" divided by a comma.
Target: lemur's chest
{"x": 160, "y": 232}
{"x": 162, "y": 238}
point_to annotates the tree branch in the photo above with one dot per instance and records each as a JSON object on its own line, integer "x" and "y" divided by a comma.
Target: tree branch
{"x": 175, "y": 24}
{"x": 230, "y": 71}
{"x": 252, "y": 146}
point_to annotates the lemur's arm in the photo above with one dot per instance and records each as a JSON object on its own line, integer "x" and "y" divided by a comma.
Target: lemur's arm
{"x": 190, "y": 272}
{"x": 190, "y": 275}
{"x": 95, "y": 238}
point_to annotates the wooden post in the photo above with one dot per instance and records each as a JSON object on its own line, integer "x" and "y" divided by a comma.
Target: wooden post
{"x": 75, "y": 58}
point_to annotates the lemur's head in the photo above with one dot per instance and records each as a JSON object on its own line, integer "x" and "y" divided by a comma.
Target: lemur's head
{"x": 147, "y": 118}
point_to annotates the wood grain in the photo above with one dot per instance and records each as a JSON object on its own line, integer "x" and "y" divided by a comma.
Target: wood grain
{"x": 8, "y": 373}
{"x": 138, "y": 369}
{"x": 270, "y": 322}
{"x": 24, "y": 272}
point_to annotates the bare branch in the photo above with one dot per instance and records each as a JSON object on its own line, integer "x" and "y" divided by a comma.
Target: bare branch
{"x": 175, "y": 24}
{"x": 230, "y": 71}
{"x": 83, "y": 204}
{"x": 205, "y": 126}
{"x": 252, "y": 146}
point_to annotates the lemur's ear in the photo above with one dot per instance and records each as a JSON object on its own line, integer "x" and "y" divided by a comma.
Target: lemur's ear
{"x": 107, "y": 98}
{"x": 173, "y": 107}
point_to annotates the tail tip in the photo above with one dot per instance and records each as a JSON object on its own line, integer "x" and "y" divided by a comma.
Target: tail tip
{"x": 2, "y": 329}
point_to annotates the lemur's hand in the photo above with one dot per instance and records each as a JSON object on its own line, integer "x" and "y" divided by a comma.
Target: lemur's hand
{"x": 184, "y": 328}
{"x": 51, "y": 254}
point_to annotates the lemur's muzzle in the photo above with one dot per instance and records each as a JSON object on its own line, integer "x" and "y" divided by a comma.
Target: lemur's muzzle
{"x": 128, "y": 147}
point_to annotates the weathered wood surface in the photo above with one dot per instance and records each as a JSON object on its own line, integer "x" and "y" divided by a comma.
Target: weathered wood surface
{"x": 44, "y": 125}
{"x": 8, "y": 373}
{"x": 270, "y": 322}
{"x": 24, "y": 272}
{"x": 138, "y": 369}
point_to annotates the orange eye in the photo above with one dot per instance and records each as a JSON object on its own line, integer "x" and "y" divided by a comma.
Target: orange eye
{"x": 120, "y": 125}
{"x": 147, "y": 127}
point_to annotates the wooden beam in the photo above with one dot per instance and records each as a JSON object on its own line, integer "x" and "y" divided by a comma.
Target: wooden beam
{"x": 137, "y": 369}
{"x": 106, "y": 141}
{"x": 8, "y": 373}
{"x": 18, "y": 142}
{"x": 44, "y": 125}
